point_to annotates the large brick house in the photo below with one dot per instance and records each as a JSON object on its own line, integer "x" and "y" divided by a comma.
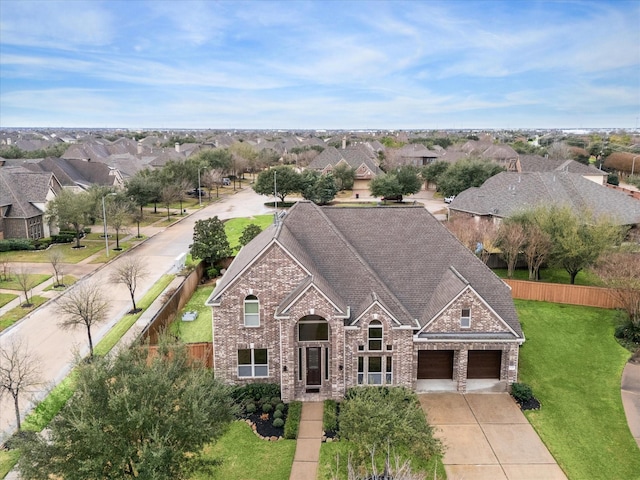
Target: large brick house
{"x": 329, "y": 298}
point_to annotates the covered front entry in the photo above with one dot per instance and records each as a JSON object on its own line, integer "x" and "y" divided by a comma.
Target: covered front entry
{"x": 314, "y": 367}
{"x": 484, "y": 364}
{"x": 435, "y": 364}
{"x": 313, "y": 354}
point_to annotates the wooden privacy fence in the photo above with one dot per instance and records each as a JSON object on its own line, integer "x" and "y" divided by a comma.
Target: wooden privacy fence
{"x": 198, "y": 352}
{"x": 561, "y": 293}
{"x": 168, "y": 311}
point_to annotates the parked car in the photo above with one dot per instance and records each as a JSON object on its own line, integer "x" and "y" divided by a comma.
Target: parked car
{"x": 226, "y": 181}
{"x": 449, "y": 199}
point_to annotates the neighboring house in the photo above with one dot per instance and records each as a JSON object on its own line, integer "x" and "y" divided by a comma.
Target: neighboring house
{"x": 330, "y": 298}
{"x": 485, "y": 149}
{"x": 365, "y": 167}
{"x": 536, "y": 163}
{"x": 24, "y": 196}
{"x": 508, "y": 193}
{"x": 417, "y": 154}
{"x": 79, "y": 175}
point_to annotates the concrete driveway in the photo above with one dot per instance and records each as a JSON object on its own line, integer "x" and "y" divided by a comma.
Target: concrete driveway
{"x": 487, "y": 437}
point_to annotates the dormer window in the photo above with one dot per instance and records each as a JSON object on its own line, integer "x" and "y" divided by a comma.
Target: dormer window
{"x": 375, "y": 336}
{"x": 251, "y": 311}
{"x": 465, "y": 318}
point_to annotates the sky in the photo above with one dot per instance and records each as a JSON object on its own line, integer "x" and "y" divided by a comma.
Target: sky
{"x": 320, "y": 64}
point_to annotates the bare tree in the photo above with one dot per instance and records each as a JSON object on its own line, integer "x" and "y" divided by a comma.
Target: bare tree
{"x": 118, "y": 215}
{"x": 511, "y": 239}
{"x": 85, "y": 305}
{"x": 212, "y": 179}
{"x": 56, "y": 259}
{"x": 128, "y": 272}
{"x": 19, "y": 372}
{"x": 559, "y": 151}
{"x": 536, "y": 249}
{"x": 26, "y": 282}
{"x": 488, "y": 237}
{"x": 620, "y": 272}
{"x": 5, "y": 269}
{"x": 168, "y": 195}
{"x": 464, "y": 229}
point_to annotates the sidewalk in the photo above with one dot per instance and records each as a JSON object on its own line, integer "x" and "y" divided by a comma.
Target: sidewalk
{"x": 630, "y": 391}
{"x": 305, "y": 461}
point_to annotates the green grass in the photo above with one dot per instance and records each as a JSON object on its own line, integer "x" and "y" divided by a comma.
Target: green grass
{"x": 235, "y": 226}
{"x": 102, "y": 258}
{"x": 553, "y": 275}
{"x": 8, "y": 458}
{"x": 15, "y": 314}
{"x": 48, "y": 408}
{"x": 200, "y": 330}
{"x": 6, "y": 298}
{"x": 34, "y": 279}
{"x": 338, "y": 452}
{"x": 124, "y": 324}
{"x": 71, "y": 255}
{"x": 244, "y": 456}
{"x": 67, "y": 281}
{"x": 574, "y": 365}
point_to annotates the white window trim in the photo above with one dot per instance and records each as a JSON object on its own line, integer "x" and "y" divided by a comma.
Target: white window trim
{"x": 251, "y": 315}
{"x": 253, "y": 364}
{"x": 375, "y": 324}
{"x": 365, "y": 371}
{"x": 463, "y": 318}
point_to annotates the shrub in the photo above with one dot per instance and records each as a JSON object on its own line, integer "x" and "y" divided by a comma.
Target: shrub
{"x": 212, "y": 272}
{"x": 629, "y": 332}
{"x": 521, "y": 392}
{"x": 86, "y": 230}
{"x": 13, "y": 244}
{"x": 275, "y": 401}
{"x": 267, "y": 407}
{"x": 278, "y": 414}
{"x": 250, "y": 407}
{"x": 330, "y": 416}
{"x": 613, "y": 179}
{"x": 256, "y": 391}
{"x": 278, "y": 423}
{"x": 280, "y": 407}
{"x": 293, "y": 420}
{"x": 60, "y": 238}
{"x": 41, "y": 243}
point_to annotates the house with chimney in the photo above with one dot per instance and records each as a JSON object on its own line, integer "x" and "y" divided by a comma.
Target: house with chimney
{"x": 330, "y": 298}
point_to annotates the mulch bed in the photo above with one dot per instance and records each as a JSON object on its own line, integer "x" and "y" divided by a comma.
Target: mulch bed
{"x": 531, "y": 404}
{"x": 265, "y": 428}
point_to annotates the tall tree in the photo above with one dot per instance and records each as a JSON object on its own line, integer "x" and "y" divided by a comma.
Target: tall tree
{"x": 71, "y": 209}
{"x": 385, "y": 186}
{"x": 345, "y": 176}
{"x": 466, "y": 174}
{"x": 143, "y": 188}
{"x": 620, "y": 272}
{"x": 250, "y": 232}
{"x": 537, "y": 246}
{"x": 318, "y": 188}
{"x": 128, "y": 272}
{"x": 511, "y": 240}
{"x": 133, "y": 417}
{"x": 85, "y": 305}
{"x": 19, "y": 372}
{"x": 283, "y": 179}
{"x": 210, "y": 241}
{"x": 432, "y": 172}
{"x": 119, "y": 210}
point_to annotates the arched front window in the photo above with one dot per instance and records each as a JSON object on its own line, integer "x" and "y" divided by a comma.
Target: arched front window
{"x": 375, "y": 336}
{"x": 251, "y": 311}
{"x": 313, "y": 328}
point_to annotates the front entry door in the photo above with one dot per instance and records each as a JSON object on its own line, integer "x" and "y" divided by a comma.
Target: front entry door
{"x": 314, "y": 370}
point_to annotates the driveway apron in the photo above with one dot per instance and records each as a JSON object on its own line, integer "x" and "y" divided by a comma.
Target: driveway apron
{"x": 486, "y": 436}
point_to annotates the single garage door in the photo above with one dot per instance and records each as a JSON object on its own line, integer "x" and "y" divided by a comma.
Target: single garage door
{"x": 435, "y": 364}
{"x": 484, "y": 364}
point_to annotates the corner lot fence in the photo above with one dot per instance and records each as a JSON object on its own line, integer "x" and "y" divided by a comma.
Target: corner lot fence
{"x": 172, "y": 306}
{"x": 633, "y": 193}
{"x": 197, "y": 352}
{"x": 560, "y": 293}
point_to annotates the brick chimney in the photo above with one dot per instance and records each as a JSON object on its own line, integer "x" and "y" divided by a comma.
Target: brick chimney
{"x": 344, "y": 142}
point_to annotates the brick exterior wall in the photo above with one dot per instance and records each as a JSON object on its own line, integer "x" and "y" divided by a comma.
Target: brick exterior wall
{"x": 275, "y": 275}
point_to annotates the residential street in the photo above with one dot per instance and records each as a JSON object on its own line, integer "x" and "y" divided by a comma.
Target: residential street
{"x": 56, "y": 348}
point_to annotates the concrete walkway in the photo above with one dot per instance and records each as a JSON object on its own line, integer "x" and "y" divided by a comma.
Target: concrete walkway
{"x": 630, "y": 391}
{"x": 305, "y": 461}
{"x": 486, "y": 436}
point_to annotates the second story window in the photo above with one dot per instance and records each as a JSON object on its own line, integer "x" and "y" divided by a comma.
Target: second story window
{"x": 465, "y": 318}
{"x": 251, "y": 311}
{"x": 375, "y": 336}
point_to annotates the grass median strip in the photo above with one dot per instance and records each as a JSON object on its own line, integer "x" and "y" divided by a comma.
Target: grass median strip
{"x": 15, "y": 314}
{"x": 6, "y": 298}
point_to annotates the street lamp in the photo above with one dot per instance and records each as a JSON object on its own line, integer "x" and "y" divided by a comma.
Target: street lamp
{"x": 199, "y": 191}
{"x": 104, "y": 218}
{"x": 633, "y": 164}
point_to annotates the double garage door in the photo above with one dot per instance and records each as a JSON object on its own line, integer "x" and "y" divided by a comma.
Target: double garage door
{"x": 438, "y": 364}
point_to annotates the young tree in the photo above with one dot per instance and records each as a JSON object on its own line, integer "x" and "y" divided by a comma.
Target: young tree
{"x": 210, "y": 241}
{"x": 5, "y": 269}
{"x": 56, "y": 259}
{"x": 73, "y": 209}
{"x": 85, "y": 305}
{"x": 19, "y": 372}
{"x": 128, "y": 272}
{"x": 250, "y": 232}
{"x": 168, "y": 195}
{"x": 511, "y": 239}
{"x": 118, "y": 211}
{"x": 211, "y": 179}
{"x": 26, "y": 282}
{"x": 345, "y": 176}
{"x": 487, "y": 232}
{"x": 385, "y": 186}
{"x": 144, "y": 187}
{"x": 133, "y": 417}
{"x": 283, "y": 179}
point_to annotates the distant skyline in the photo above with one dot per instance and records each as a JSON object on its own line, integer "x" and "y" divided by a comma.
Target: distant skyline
{"x": 320, "y": 64}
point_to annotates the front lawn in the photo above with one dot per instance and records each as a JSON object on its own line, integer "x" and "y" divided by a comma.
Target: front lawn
{"x": 6, "y": 298}
{"x": 200, "y": 329}
{"x": 71, "y": 255}
{"x": 33, "y": 279}
{"x": 67, "y": 281}
{"x": 574, "y": 365}
{"x": 235, "y": 226}
{"x": 243, "y": 456}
